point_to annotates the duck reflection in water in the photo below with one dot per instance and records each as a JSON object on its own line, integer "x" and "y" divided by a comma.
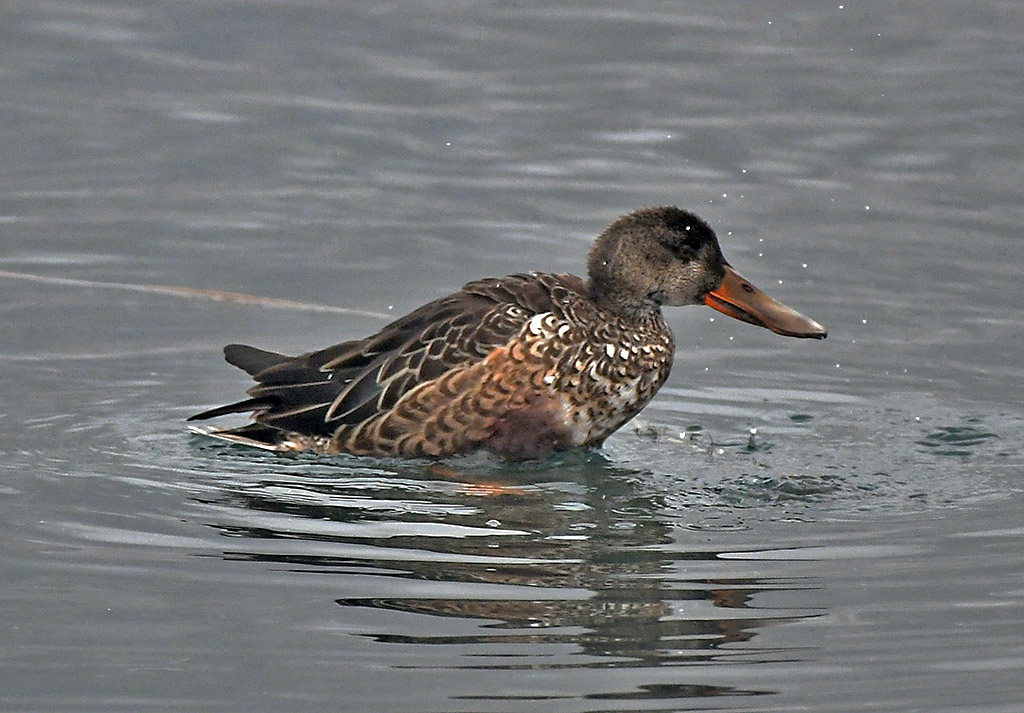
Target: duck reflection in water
{"x": 578, "y": 566}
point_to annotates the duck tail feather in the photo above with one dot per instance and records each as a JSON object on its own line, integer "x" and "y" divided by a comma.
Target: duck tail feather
{"x": 252, "y": 360}
{"x": 238, "y": 407}
{"x": 254, "y": 435}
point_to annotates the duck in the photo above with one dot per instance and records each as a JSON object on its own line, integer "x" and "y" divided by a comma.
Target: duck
{"x": 521, "y": 366}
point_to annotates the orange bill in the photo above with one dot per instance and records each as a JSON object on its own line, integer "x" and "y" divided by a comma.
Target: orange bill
{"x": 741, "y": 300}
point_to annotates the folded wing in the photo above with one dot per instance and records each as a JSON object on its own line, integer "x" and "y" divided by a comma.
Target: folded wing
{"x": 315, "y": 393}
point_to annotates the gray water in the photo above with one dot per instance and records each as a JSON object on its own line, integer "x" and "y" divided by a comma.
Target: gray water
{"x": 828, "y": 526}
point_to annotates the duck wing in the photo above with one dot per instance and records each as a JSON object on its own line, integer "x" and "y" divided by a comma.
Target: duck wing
{"x": 315, "y": 393}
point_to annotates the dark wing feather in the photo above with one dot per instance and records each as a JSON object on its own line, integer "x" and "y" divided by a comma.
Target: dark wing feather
{"x": 315, "y": 393}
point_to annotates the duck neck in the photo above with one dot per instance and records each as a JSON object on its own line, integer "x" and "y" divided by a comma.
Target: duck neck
{"x": 627, "y": 306}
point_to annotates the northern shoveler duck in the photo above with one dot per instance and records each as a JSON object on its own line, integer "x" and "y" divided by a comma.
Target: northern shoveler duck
{"x": 520, "y": 365}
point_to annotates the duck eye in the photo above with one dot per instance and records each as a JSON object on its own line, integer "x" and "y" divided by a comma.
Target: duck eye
{"x": 682, "y": 251}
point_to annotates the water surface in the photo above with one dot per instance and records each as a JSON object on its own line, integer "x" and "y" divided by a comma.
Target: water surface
{"x": 826, "y": 526}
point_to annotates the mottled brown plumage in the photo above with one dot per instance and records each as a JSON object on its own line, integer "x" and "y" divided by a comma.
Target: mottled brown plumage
{"x": 521, "y": 365}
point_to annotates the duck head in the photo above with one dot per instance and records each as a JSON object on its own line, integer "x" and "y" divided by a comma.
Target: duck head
{"x": 667, "y": 256}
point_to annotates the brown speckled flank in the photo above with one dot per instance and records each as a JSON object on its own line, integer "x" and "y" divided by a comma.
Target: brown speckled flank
{"x": 521, "y": 365}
